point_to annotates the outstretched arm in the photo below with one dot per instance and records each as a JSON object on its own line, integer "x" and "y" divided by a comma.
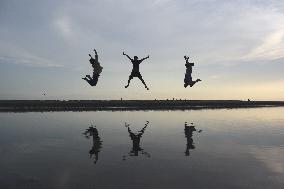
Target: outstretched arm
{"x": 127, "y": 56}
{"x": 143, "y": 129}
{"x": 129, "y": 131}
{"x": 145, "y": 58}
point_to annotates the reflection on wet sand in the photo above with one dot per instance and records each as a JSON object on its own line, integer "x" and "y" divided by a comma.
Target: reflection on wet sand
{"x": 188, "y": 132}
{"x": 135, "y": 137}
{"x": 97, "y": 143}
{"x": 238, "y": 148}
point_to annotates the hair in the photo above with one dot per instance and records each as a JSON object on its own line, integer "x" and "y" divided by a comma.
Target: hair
{"x": 135, "y": 57}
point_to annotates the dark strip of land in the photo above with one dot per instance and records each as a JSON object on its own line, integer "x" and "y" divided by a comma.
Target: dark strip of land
{"x": 113, "y": 105}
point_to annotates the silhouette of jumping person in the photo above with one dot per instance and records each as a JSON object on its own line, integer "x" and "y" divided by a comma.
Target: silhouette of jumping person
{"x": 135, "y": 137}
{"x": 188, "y": 78}
{"x": 97, "y": 70}
{"x": 135, "y": 70}
{"x": 97, "y": 143}
{"x": 188, "y": 132}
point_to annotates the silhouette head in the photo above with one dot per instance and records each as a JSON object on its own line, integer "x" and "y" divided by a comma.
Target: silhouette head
{"x": 135, "y": 57}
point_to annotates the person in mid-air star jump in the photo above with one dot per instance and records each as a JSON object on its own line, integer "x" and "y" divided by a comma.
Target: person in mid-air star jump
{"x": 188, "y": 78}
{"x": 97, "y": 70}
{"x": 135, "y": 137}
{"x": 135, "y": 70}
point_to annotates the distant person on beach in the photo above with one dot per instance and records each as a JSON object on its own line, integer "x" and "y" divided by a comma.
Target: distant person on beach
{"x": 97, "y": 70}
{"x": 188, "y": 78}
{"x": 97, "y": 143}
{"x": 188, "y": 132}
{"x": 135, "y": 137}
{"x": 135, "y": 70}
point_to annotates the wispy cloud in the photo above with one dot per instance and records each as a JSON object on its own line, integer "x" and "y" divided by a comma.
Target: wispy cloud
{"x": 13, "y": 55}
{"x": 271, "y": 48}
{"x": 214, "y": 33}
{"x": 63, "y": 24}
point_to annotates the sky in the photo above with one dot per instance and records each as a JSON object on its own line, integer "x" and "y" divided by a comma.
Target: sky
{"x": 237, "y": 48}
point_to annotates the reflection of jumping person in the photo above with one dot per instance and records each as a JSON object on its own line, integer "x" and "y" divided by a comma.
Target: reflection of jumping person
{"x": 97, "y": 143}
{"x": 188, "y": 78}
{"x": 136, "y": 141}
{"x": 135, "y": 70}
{"x": 97, "y": 70}
{"x": 188, "y": 131}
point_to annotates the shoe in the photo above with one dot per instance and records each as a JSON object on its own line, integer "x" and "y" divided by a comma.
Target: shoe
{"x": 198, "y": 80}
{"x": 126, "y": 86}
{"x": 185, "y": 85}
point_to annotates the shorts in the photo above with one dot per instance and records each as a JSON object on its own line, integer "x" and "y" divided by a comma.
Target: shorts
{"x": 135, "y": 74}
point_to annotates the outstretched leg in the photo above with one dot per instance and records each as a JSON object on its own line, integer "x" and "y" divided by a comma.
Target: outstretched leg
{"x": 140, "y": 77}
{"x": 128, "y": 82}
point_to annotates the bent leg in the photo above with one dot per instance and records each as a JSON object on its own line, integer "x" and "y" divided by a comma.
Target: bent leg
{"x": 193, "y": 82}
{"x": 88, "y": 76}
{"x": 85, "y": 78}
{"x": 89, "y": 81}
{"x": 128, "y": 82}
{"x": 94, "y": 80}
{"x": 185, "y": 82}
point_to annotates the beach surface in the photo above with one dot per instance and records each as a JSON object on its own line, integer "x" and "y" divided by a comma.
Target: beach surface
{"x": 95, "y": 105}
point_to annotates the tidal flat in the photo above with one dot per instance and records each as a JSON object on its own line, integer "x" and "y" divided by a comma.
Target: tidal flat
{"x": 207, "y": 148}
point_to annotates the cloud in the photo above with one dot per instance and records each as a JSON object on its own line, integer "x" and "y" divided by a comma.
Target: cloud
{"x": 160, "y": 2}
{"x": 271, "y": 48}
{"x": 63, "y": 24}
{"x": 222, "y": 33}
{"x": 14, "y": 55}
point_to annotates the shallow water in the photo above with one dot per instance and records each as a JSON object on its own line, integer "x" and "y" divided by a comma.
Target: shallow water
{"x": 237, "y": 148}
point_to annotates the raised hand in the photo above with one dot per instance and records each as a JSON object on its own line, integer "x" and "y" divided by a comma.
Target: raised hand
{"x": 123, "y": 53}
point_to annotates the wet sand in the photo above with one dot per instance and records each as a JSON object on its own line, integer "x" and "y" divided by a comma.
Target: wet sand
{"x": 113, "y": 105}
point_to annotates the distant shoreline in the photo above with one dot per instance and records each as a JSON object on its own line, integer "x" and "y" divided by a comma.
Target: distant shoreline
{"x": 127, "y": 105}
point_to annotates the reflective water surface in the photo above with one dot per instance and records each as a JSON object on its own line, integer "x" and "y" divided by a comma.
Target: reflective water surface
{"x": 239, "y": 148}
